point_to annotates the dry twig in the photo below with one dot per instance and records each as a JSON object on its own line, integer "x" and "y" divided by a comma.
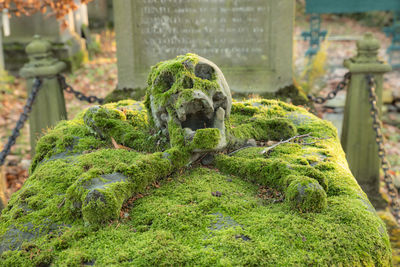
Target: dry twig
{"x": 268, "y": 150}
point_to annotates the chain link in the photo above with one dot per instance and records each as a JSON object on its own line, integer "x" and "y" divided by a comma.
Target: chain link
{"x": 37, "y": 84}
{"x": 377, "y": 125}
{"x": 28, "y": 107}
{"x": 68, "y": 88}
{"x": 331, "y": 95}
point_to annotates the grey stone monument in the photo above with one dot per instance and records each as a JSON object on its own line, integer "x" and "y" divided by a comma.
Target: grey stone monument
{"x": 68, "y": 44}
{"x": 251, "y": 40}
{"x": 100, "y": 13}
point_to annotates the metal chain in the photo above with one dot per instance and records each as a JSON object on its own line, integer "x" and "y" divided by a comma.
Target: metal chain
{"x": 68, "y": 88}
{"x": 37, "y": 84}
{"x": 331, "y": 95}
{"x": 377, "y": 125}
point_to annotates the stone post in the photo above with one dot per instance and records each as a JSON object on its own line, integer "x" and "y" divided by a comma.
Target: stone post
{"x": 49, "y": 106}
{"x": 358, "y": 136}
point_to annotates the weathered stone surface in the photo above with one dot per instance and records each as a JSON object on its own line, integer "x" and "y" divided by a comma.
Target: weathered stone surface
{"x": 190, "y": 92}
{"x": 299, "y": 118}
{"x": 137, "y": 196}
{"x": 100, "y": 14}
{"x": 222, "y": 222}
{"x": 15, "y": 237}
{"x": 66, "y": 153}
{"x": 104, "y": 180}
{"x": 251, "y": 40}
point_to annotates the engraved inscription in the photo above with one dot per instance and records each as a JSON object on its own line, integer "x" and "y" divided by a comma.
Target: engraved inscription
{"x": 230, "y": 32}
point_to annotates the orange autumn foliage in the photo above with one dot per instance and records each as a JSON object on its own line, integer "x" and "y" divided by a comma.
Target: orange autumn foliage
{"x": 57, "y": 8}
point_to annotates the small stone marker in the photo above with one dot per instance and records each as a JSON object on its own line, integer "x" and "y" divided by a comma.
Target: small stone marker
{"x": 251, "y": 40}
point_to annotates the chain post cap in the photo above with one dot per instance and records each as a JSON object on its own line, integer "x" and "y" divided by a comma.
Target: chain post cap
{"x": 38, "y": 46}
{"x": 367, "y": 49}
{"x": 41, "y": 59}
{"x": 368, "y": 43}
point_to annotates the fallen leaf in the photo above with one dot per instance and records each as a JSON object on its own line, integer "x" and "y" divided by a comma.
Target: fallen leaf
{"x": 118, "y": 146}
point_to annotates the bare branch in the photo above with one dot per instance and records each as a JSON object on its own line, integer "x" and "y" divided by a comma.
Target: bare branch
{"x": 268, "y": 150}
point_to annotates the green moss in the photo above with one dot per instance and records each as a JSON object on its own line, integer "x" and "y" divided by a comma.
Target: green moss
{"x": 177, "y": 224}
{"x": 125, "y": 93}
{"x": 107, "y": 198}
{"x": 394, "y": 232}
{"x": 306, "y": 195}
{"x": 206, "y": 138}
{"x": 264, "y": 129}
{"x": 291, "y": 94}
{"x": 177, "y": 135}
{"x": 87, "y": 202}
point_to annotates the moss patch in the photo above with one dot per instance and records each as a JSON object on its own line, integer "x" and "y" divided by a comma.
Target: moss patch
{"x": 183, "y": 223}
{"x": 69, "y": 211}
{"x": 394, "y": 233}
{"x": 206, "y": 138}
{"x": 291, "y": 94}
{"x": 125, "y": 93}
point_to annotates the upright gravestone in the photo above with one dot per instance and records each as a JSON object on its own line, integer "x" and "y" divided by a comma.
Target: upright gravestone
{"x": 100, "y": 13}
{"x": 4, "y": 30}
{"x": 250, "y": 39}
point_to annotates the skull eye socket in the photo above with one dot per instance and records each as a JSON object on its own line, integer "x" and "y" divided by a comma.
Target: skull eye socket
{"x": 204, "y": 71}
{"x": 165, "y": 81}
{"x": 219, "y": 100}
{"x": 187, "y": 82}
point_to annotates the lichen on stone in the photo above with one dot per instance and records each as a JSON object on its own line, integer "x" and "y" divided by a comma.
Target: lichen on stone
{"x": 126, "y": 184}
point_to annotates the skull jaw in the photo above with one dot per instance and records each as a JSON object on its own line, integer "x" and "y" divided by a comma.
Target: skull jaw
{"x": 198, "y": 151}
{"x": 198, "y": 140}
{"x": 219, "y": 124}
{"x": 199, "y": 119}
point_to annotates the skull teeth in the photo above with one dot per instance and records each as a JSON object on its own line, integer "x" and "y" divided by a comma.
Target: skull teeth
{"x": 189, "y": 133}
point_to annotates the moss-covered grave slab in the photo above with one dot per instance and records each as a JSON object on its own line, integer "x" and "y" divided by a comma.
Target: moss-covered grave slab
{"x": 191, "y": 178}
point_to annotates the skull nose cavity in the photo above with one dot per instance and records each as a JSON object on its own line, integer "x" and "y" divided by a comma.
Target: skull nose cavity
{"x": 164, "y": 117}
{"x": 197, "y": 113}
{"x": 196, "y": 106}
{"x": 165, "y": 81}
{"x": 187, "y": 82}
{"x": 204, "y": 71}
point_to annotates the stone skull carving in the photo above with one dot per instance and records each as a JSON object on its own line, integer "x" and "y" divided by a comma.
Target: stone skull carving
{"x": 188, "y": 94}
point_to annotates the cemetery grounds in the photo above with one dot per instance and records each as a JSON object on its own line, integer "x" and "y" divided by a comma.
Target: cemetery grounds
{"x": 99, "y": 77}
